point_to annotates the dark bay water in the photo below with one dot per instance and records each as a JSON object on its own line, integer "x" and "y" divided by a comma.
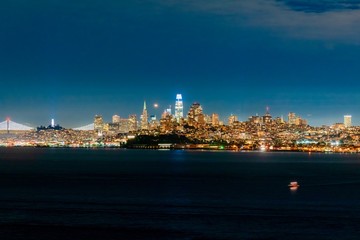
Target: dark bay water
{"x": 140, "y": 194}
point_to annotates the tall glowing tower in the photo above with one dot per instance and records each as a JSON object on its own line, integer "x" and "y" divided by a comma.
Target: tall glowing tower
{"x": 179, "y": 108}
{"x": 347, "y": 120}
{"x": 144, "y": 118}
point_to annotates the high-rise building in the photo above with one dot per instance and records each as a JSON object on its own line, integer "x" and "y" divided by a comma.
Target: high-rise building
{"x": 232, "y": 119}
{"x": 115, "y": 119}
{"x": 168, "y": 110}
{"x": 215, "y": 119}
{"x": 144, "y": 118}
{"x": 154, "y": 123}
{"x": 124, "y": 125}
{"x": 132, "y": 123}
{"x": 179, "y": 108}
{"x": 166, "y": 123}
{"x": 195, "y": 115}
{"x": 291, "y": 118}
{"x": 252, "y": 119}
{"x": 267, "y": 117}
{"x": 98, "y": 124}
{"x": 347, "y": 120}
{"x": 165, "y": 113}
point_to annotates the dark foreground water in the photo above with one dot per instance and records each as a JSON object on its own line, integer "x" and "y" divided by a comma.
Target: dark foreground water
{"x": 139, "y": 194}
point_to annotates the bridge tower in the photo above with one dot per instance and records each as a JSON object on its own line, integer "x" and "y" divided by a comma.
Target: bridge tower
{"x": 8, "y": 125}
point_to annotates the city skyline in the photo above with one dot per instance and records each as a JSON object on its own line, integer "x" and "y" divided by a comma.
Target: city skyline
{"x": 144, "y": 118}
{"x": 70, "y": 60}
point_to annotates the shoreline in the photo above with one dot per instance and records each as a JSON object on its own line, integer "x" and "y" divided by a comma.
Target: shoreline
{"x": 212, "y": 149}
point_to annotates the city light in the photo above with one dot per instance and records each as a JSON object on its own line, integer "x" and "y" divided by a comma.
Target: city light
{"x": 194, "y": 130}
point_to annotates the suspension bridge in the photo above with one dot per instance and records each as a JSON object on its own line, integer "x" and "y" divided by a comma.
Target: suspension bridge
{"x": 9, "y": 125}
{"x": 88, "y": 127}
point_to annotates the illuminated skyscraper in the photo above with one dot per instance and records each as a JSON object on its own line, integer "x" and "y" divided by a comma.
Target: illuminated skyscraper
{"x": 215, "y": 119}
{"x": 291, "y": 118}
{"x": 132, "y": 122}
{"x": 168, "y": 110}
{"x": 144, "y": 118}
{"x": 115, "y": 119}
{"x": 98, "y": 124}
{"x": 232, "y": 119}
{"x": 347, "y": 120}
{"x": 195, "y": 116}
{"x": 179, "y": 108}
{"x": 267, "y": 118}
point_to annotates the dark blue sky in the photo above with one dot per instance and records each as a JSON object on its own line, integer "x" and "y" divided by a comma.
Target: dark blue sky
{"x": 70, "y": 60}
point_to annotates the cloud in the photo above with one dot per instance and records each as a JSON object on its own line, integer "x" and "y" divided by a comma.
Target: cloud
{"x": 321, "y": 6}
{"x": 321, "y": 20}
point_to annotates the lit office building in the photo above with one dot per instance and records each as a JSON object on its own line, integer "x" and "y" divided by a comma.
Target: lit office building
{"x": 98, "y": 124}
{"x": 252, "y": 119}
{"x": 296, "y": 120}
{"x": 132, "y": 123}
{"x": 179, "y": 108}
{"x": 115, "y": 119}
{"x": 347, "y": 121}
{"x": 195, "y": 116}
{"x": 215, "y": 119}
{"x": 267, "y": 118}
{"x": 292, "y": 118}
{"x": 154, "y": 123}
{"x": 232, "y": 119}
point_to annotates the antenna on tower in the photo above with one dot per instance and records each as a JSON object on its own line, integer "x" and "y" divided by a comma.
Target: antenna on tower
{"x": 267, "y": 110}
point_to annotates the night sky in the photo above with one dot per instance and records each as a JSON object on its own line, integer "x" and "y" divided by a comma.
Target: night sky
{"x": 70, "y": 60}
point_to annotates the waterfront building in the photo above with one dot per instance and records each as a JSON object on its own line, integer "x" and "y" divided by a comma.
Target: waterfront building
{"x": 347, "y": 121}
{"x": 179, "y": 108}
